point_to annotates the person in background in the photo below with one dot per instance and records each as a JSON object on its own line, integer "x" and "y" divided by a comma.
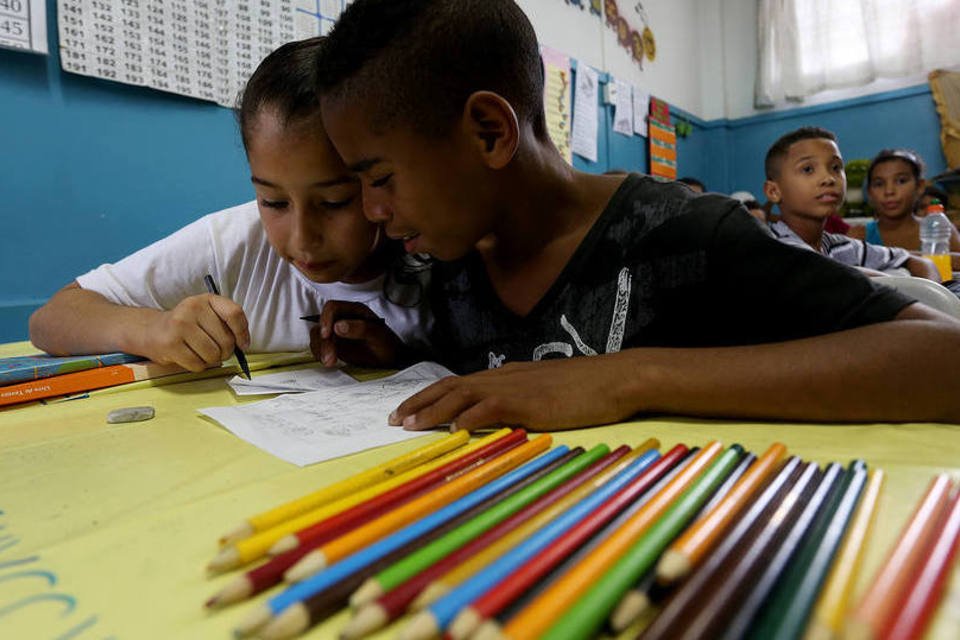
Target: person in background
{"x": 806, "y": 179}
{"x": 693, "y": 184}
{"x": 573, "y": 299}
{"x": 303, "y": 247}
{"x": 755, "y": 209}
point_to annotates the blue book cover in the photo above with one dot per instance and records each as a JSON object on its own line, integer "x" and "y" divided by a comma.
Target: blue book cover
{"x": 34, "y": 367}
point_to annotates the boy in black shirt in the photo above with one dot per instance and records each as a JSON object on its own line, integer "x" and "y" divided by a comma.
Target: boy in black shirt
{"x": 685, "y": 304}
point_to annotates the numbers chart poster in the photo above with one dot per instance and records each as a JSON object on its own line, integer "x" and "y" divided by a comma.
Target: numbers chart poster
{"x": 200, "y": 48}
{"x": 23, "y": 25}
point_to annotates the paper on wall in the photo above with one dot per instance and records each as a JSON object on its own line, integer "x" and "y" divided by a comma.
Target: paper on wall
{"x": 585, "y": 112}
{"x": 623, "y": 107}
{"x": 641, "y": 106}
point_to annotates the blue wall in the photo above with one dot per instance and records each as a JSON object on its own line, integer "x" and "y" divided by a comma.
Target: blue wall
{"x": 93, "y": 170}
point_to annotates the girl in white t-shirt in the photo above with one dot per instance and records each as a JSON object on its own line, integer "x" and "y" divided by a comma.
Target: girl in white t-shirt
{"x": 302, "y": 248}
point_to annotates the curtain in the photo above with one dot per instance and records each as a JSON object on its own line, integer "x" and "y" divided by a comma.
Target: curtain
{"x": 806, "y": 46}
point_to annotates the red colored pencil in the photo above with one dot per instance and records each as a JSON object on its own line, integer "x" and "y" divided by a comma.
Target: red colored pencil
{"x": 912, "y": 618}
{"x": 529, "y": 573}
{"x": 395, "y": 601}
{"x": 335, "y": 526}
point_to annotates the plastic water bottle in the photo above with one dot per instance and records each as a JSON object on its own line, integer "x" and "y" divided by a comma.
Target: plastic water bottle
{"x": 935, "y": 239}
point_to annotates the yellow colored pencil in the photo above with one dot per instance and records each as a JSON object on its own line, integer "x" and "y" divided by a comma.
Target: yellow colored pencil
{"x": 829, "y": 613}
{"x": 688, "y": 550}
{"x": 256, "y": 546}
{"x": 362, "y": 536}
{"x": 379, "y": 473}
{"x": 540, "y": 614}
{"x": 465, "y": 569}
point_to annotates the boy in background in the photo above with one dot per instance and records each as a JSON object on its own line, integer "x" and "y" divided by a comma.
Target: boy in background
{"x": 806, "y": 179}
{"x": 683, "y": 302}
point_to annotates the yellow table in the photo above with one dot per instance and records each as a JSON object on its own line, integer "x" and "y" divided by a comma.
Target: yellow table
{"x": 106, "y": 529}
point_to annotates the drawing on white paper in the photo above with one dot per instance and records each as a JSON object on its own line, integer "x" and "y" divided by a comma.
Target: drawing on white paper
{"x": 319, "y": 425}
{"x": 623, "y": 108}
{"x": 585, "y": 112}
{"x": 296, "y": 381}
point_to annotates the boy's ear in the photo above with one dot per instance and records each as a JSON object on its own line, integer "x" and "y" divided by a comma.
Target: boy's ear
{"x": 772, "y": 190}
{"x": 492, "y": 127}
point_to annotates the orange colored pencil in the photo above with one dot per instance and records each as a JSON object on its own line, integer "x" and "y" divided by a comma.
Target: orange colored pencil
{"x": 544, "y": 610}
{"x": 688, "y": 550}
{"x": 389, "y": 522}
{"x": 925, "y": 593}
{"x": 887, "y": 590}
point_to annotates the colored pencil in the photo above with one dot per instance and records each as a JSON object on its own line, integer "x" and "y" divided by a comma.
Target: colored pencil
{"x": 318, "y": 606}
{"x": 441, "y": 613}
{"x": 540, "y": 614}
{"x": 372, "y": 541}
{"x": 776, "y": 499}
{"x": 886, "y": 591}
{"x": 784, "y": 614}
{"x": 271, "y": 572}
{"x": 588, "y": 613}
{"x": 912, "y": 618}
{"x": 831, "y": 608}
{"x": 378, "y": 611}
{"x": 525, "y": 576}
{"x": 256, "y": 546}
{"x": 502, "y": 611}
{"x": 385, "y": 471}
{"x": 689, "y": 549}
{"x": 333, "y": 526}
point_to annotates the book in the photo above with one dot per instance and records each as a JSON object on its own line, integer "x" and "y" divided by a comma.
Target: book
{"x": 34, "y": 367}
{"x": 87, "y": 380}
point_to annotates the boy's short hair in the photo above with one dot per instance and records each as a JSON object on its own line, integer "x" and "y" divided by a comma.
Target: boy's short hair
{"x": 284, "y": 81}
{"x": 779, "y": 149}
{"x": 910, "y": 157}
{"x": 417, "y": 61}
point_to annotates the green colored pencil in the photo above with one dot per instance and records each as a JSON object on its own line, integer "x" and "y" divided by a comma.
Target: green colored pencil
{"x": 403, "y": 570}
{"x": 784, "y": 614}
{"x": 588, "y": 614}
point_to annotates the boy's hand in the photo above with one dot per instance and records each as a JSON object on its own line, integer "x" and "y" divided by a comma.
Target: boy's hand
{"x": 541, "y": 396}
{"x": 200, "y": 332}
{"x": 351, "y": 332}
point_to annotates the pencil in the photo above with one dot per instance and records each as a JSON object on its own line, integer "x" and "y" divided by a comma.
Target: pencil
{"x": 241, "y": 359}
{"x": 540, "y": 614}
{"x": 775, "y": 500}
{"x": 379, "y": 473}
{"x": 365, "y": 545}
{"x": 588, "y": 613}
{"x": 441, "y": 613}
{"x": 257, "y": 545}
{"x": 271, "y": 572}
{"x": 831, "y": 608}
{"x": 689, "y": 549}
{"x": 310, "y": 611}
{"x": 403, "y": 588}
{"x": 784, "y": 613}
{"x": 912, "y": 618}
{"x": 886, "y": 590}
{"x": 502, "y": 611}
{"x": 524, "y": 577}
{"x": 333, "y": 526}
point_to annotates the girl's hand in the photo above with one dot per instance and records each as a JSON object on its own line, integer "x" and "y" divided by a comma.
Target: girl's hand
{"x": 200, "y": 332}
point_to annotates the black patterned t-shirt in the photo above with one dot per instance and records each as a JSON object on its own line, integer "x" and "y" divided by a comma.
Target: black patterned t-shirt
{"x": 661, "y": 267}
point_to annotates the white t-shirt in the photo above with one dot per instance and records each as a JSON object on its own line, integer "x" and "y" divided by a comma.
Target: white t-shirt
{"x": 232, "y": 246}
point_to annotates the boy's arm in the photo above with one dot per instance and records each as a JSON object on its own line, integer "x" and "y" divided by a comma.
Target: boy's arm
{"x": 199, "y": 332}
{"x": 922, "y": 268}
{"x": 904, "y": 370}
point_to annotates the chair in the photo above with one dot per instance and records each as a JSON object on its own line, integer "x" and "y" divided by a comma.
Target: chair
{"x": 928, "y": 292}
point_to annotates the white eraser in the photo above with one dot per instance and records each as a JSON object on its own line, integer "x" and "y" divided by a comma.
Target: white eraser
{"x": 130, "y": 414}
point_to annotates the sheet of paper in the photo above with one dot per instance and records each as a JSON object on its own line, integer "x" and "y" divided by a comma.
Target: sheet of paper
{"x": 297, "y": 381}
{"x": 23, "y": 25}
{"x": 623, "y": 108}
{"x": 641, "y": 106}
{"x": 585, "y": 112}
{"x": 556, "y": 99}
{"x": 310, "y": 427}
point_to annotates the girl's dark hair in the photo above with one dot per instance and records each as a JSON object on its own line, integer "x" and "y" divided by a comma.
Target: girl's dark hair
{"x": 910, "y": 157}
{"x": 284, "y": 80}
